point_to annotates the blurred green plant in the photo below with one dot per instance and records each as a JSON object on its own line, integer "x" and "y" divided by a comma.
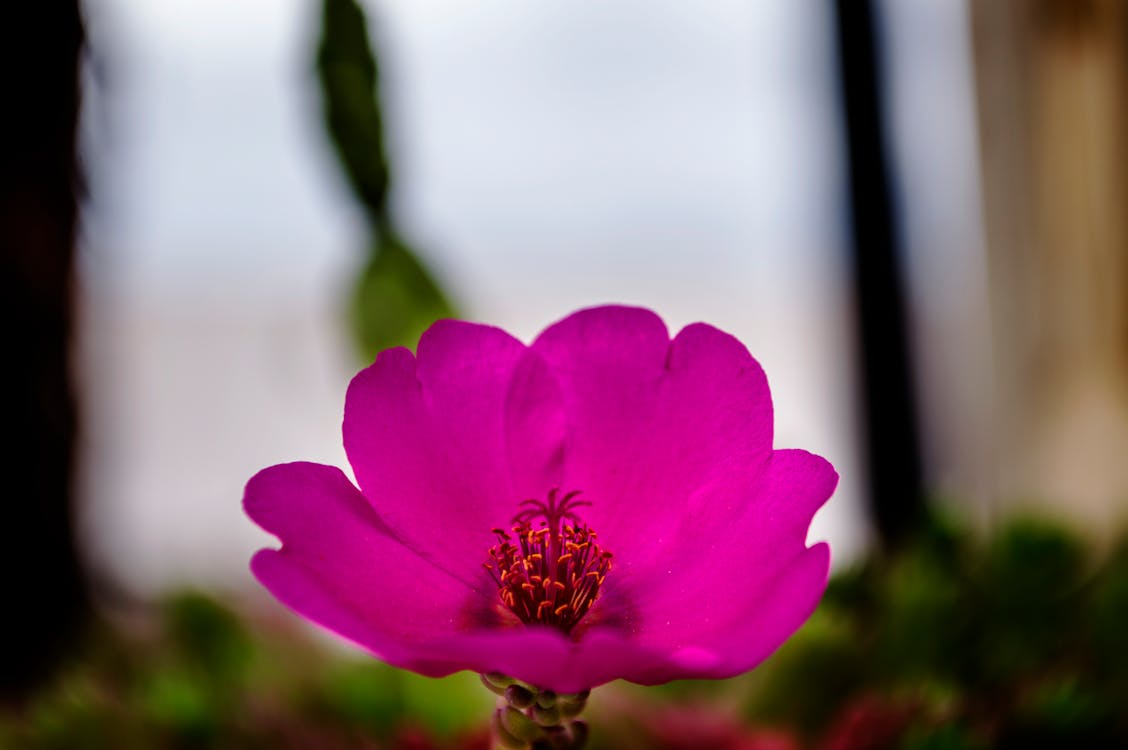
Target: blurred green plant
{"x": 189, "y": 674}
{"x": 395, "y": 298}
{"x": 1017, "y": 640}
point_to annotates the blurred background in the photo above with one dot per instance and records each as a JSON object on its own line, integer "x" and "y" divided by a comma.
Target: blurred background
{"x": 913, "y": 214}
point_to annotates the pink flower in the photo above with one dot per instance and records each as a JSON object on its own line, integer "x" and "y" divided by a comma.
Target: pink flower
{"x": 604, "y": 503}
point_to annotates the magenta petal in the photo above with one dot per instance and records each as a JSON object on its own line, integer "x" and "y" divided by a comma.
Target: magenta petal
{"x": 651, "y": 421}
{"x": 771, "y": 615}
{"x": 752, "y": 575}
{"x": 548, "y": 659}
{"x": 535, "y": 430}
{"x": 774, "y": 615}
{"x": 340, "y": 567}
{"x": 426, "y": 439}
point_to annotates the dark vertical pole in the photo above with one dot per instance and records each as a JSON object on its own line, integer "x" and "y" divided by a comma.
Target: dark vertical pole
{"x": 889, "y": 404}
{"x": 43, "y": 593}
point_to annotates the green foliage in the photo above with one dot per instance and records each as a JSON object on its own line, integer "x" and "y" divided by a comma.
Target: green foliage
{"x": 922, "y": 619}
{"x": 1018, "y": 640}
{"x": 1032, "y": 591}
{"x": 206, "y": 637}
{"x": 1107, "y": 622}
{"x": 451, "y": 707}
{"x": 824, "y": 647}
{"x": 192, "y": 676}
{"x": 395, "y": 297}
{"x": 181, "y": 704}
{"x": 362, "y": 694}
{"x": 943, "y": 737}
{"x": 348, "y": 74}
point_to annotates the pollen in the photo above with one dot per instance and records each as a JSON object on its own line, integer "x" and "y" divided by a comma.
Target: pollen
{"x": 549, "y": 567}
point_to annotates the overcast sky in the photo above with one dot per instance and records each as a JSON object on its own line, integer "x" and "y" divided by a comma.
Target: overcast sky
{"x": 547, "y": 155}
{"x": 630, "y": 139}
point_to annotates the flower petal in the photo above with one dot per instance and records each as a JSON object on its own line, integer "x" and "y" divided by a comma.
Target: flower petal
{"x": 747, "y": 583}
{"x": 340, "y": 566}
{"x": 669, "y": 440}
{"x": 535, "y": 429}
{"x": 426, "y": 440}
{"x": 778, "y": 612}
{"x": 548, "y": 659}
{"x": 772, "y": 616}
{"x": 649, "y": 421}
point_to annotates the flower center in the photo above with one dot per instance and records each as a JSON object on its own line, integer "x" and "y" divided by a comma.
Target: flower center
{"x": 548, "y": 571}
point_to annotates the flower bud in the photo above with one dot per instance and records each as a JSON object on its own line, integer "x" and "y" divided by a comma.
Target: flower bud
{"x": 519, "y": 697}
{"x": 504, "y": 738}
{"x": 518, "y": 725}
{"x": 579, "y": 697}
{"x": 571, "y": 710}
{"x": 497, "y": 683}
{"x": 546, "y": 717}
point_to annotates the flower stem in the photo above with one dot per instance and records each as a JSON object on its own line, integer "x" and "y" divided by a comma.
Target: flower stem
{"x": 528, "y": 718}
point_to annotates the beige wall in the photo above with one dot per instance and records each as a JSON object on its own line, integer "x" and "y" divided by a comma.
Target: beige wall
{"x": 1051, "y": 85}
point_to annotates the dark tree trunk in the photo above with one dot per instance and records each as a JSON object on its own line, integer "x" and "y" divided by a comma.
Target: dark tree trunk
{"x": 889, "y": 405}
{"x": 43, "y": 592}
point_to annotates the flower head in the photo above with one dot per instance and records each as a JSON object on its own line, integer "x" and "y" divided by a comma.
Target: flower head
{"x": 603, "y": 503}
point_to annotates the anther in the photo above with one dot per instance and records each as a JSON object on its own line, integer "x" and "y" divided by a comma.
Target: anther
{"x": 558, "y": 594}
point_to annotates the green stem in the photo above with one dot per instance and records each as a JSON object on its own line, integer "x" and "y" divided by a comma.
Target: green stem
{"x": 529, "y": 718}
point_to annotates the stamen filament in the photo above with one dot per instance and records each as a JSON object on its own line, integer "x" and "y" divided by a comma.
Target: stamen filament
{"x": 550, "y": 574}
